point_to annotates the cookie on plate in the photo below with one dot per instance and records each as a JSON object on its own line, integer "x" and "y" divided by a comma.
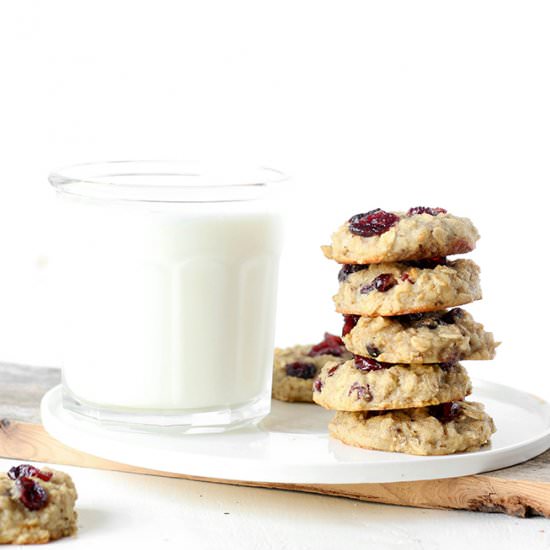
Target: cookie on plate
{"x": 407, "y": 287}
{"x": 295, "y": 368}
{"x": 378, "y": 236}
{"x": 443, "y": 429}
{"x": 438, "y": 337}
{"x": 36, "y": 506}
{"x": 363, "y": 384}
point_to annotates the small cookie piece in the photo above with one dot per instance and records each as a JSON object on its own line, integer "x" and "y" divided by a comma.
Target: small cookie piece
{"x": 441, "y": 430}
{"x": 36, "y": 506}
{"x": 438, "y": 337}
{"x": 378, "y": 236}
{"x": 363, "y": 384}
{"x": 407, "y": 287}
{"x": 295, "y": 368}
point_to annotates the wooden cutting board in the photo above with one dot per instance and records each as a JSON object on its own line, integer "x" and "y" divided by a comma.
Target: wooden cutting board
{"x": 522, "y": 490}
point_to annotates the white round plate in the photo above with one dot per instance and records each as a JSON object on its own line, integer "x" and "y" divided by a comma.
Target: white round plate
{"x": 292, "y": 445}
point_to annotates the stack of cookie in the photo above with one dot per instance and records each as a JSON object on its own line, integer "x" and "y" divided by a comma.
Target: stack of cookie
{"x": 403, "y": 390}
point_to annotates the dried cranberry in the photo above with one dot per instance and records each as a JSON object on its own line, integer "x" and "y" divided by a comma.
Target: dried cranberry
{"x": 445, "y": 412}
{"x": 409, "y": 319}
{"x": 418, "y": 320}
{"x": 450, "y": 317}
{"x": 27, "y": 470}
{"x": 427, "y": 263}
{"x": 332, "y": 370}
{"x": 460, "y": 246}
{"x": 331, "y": 345}
{"x": 426, "y": 210}
{"x": 301, "y": 370}
{"x": 382, "y": 283}
{"x": 373, "y": 351}
{"x": 367, "y": 364}
{"x": 349, "y": 323}
{"x": 31, "y": 493}
{"x": 318, "y": 385}
{"x": 348, "y": 269}
{"x": 374, "y": 222}
{"x": 363, "y": 392}
{"x": 406, "y": 277}
{"x": 370, "y": 414}
{"x": 430, "y": 320}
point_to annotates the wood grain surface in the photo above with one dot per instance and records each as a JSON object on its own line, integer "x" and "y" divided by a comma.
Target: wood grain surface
{"x": 522, "y": 490}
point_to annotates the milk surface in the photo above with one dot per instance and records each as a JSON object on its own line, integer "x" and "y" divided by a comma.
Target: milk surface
{"x": 166, "y": 307}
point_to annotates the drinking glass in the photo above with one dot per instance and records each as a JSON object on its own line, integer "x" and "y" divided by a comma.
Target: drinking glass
{"x": 166, "y": 282}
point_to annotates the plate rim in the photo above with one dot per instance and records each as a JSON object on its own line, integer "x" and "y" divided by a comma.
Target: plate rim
{"x": 282, "y": 471}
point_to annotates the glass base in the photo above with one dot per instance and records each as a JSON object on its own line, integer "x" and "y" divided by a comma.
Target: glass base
{"x": 181, "y": 421}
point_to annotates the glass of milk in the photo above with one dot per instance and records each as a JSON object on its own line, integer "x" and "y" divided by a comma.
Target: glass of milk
{"x": 166, "y": 276}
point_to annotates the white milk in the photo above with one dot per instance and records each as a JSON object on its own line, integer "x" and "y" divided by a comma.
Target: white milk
{"x": 167, "y": 308}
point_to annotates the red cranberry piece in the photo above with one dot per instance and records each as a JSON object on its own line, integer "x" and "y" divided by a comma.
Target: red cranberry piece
{"x": 349, "y": 323}
{"x": 419, "y": 320}
{"x": 445, "y": 412}
{"x": 450, "y": 317}
{"x": 318, "y": 385}
{"x": 430, "y": 320}
{"x": 372, "y": 223}
{"x": 382, "y": 283}
{"x": 460, "y": 246}
{"x": 363, "y": 392}
{"x": 409, "y": 319}
{"x": 348, "y": 269}
{"x": 334, "y": 339}
{"x": 27, "y": 470}
{"x": 370, "y": 414}
{"x": 406, "y": 277}
{"x": 331, "y": 345}
{"x": 426, "y": 210}
{"x": 332, "y": 370}
{"x": 427, "y": 263}
{"x": 367, "y": 364}
{"x": 305, "y": 371}
{"x": 31, "y": 493}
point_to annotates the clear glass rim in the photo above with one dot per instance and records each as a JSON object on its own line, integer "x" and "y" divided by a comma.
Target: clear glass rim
{"x": 166, "y": 181}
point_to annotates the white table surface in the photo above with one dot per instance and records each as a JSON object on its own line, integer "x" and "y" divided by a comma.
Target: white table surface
{"x": 122, "y": 509}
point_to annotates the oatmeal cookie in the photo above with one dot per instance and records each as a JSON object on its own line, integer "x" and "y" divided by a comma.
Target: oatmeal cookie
{"x": 295, "y": 368}
{"x": 406, "y": 287}
{"x": 437, "y": 337}
{"x": 363, "y": 384}
{"x": 378, "y": 236}
{"x": 440, "y": 430}
{"x": 36, "y": 506}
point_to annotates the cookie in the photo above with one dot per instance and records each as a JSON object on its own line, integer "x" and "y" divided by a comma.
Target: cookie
{"x": 36, "y": 506}
{"x": 440, "y": 430}
{"x": 437, "y": 337}
{"x": 406, "y": 287}
{"x": 362, "y": 384}
{"x": 295, "y": 368}
{"x": 378, "y": 236}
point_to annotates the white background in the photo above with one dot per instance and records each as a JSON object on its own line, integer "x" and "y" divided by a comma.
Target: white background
{"x": 364, "y": 104}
